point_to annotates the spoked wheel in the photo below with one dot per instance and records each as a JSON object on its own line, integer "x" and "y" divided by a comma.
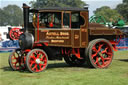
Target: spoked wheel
{"x": 15, "y": 33}
{"x": 72, "y": 59}
{"x": 16, "y": 60}
{"x": 36, "y": 60}
{"x": 99, "y": 53}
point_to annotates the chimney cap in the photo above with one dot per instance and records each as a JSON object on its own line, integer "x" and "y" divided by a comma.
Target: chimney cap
{"x": 25, "y": 5}
{"x": 86, "y": 6}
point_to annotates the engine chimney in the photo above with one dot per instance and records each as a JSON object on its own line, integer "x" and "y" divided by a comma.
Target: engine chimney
{"x": 26, "y": 17}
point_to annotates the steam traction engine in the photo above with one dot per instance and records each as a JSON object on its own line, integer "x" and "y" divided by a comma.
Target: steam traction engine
{"x": 57, "y": 33}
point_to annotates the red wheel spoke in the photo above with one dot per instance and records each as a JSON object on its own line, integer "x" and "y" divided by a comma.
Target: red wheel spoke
{"x": 33, "y": 56}
{"x": 97, "y": 59}
{"x": 42, "y": 58}
{"x": 102, "y": 58}
{"x": 99, "y": 48}
{"x": 45, "y": 60}
{"x": 93, "y": 55}
{"x": 38, "y": 55}
{"x": 15, "y": 63}
{"x": 94, "y": 49}
{"x": 109, "y": 53}
{"x": 32, "y": 62}
{"x": 42, "y": 64}
{"x": 104, "y": 51}
{"x": 98, "y": 64}
{"x": 34, "y": 67}
{"x": 37, "y": 69}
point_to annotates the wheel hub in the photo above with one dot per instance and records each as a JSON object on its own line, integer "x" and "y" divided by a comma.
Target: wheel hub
{"x": 99, "y": 53}
{"x": 37, "y": 60}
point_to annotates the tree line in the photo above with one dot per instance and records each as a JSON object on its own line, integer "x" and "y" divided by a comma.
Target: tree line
{"x": 13, "y": 14}
{"x": 120, "y": 12}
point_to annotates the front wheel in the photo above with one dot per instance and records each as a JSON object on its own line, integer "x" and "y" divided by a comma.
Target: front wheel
{"x": 36, "y": 60}
{"x": 16, "y": 60}
{"x": 99, "y": 53}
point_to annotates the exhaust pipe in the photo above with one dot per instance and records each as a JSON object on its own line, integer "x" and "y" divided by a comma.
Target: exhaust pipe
{"x": 26, "y": 17}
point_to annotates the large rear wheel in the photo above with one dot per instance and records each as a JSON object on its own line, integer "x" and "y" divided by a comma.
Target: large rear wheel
{"x": 99, "y": 53}
{"x": 72, "y": 59}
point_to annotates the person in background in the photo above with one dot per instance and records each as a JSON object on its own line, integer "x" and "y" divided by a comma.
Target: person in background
{"x": 1, "y": 40}
{"x": 120, "y": 22}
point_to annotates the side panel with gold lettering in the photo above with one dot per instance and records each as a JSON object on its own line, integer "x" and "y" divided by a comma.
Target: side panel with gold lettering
{"x": 56, "y": 37}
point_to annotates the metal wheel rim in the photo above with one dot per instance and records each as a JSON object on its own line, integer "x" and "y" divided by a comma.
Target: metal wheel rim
{"x": 16, "y": 61}
{"x": 101, "y": 54}
{"x": 37, "y": 61}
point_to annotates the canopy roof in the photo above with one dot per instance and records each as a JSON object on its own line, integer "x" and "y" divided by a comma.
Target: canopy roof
{"x": 59, "y": 9}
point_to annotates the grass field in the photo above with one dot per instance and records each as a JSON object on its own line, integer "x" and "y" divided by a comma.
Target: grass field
{"x": 59, "y": 73}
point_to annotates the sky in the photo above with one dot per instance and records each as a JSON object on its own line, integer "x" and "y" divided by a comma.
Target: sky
{"x": 93, "y": 4}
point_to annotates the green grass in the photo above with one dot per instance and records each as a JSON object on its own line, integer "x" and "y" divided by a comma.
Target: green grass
{"x": 59, "y": 73}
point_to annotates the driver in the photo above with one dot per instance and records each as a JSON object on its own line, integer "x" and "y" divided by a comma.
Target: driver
{"x": 51, "y": 21}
